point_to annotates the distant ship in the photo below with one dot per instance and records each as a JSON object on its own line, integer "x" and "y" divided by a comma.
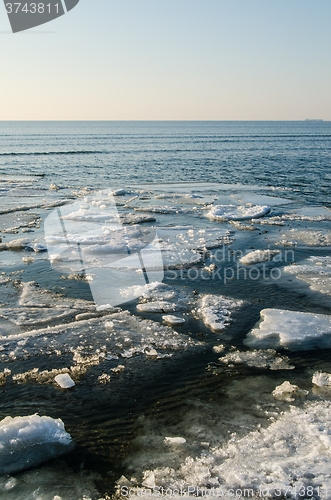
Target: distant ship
{"x": 309, "y": 120}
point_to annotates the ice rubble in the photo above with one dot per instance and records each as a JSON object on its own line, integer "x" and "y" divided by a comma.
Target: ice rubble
{"x": 316, "y": 271}
{"x": 258, "y": 256}
{"x": 26, "y": 442}
{"x": 259, "y": 359}
{"x": 64, "y": 381}
{"x": 284, "y": 459}
{"x": 216, "y": 310}
{"x": 185, "y": 198}
{"x": 232, "y": 212}
{"x": 290, "y": 328}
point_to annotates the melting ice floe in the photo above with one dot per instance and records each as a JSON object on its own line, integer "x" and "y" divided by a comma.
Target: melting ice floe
{"x": 216, "y": 310}
{"x": 316, "y": 271}
{"x": 290, "y": 328}
{"x": 29, "y": 441}
{"x": 232, "y": 212}
{"x": 290, "y": 455}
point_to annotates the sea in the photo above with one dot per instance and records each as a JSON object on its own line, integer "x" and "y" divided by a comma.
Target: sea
{"x": 165, "y": 326}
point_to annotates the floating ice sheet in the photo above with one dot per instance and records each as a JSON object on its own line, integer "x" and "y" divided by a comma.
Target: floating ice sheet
{"x": 291, "y": 329}
{"x": 92, "y": 341}
{"x": 26, "y": 442}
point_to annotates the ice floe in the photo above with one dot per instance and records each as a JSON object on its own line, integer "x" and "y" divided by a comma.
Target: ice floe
{"x": 309, "y": 238}
{"x": 258, "y": 256}
{"x": 322, "y": 379}
{"x": 259, "y": 359}
{"x": 287, "y": 390}
{"x": 64, "y": 381}
{"x": 290, "y": 328}
{"x": 26, "y": 442}
{"x": 216, "y": 310}
{"x": 315, "y": 271}
{"x": 236, "y": 213}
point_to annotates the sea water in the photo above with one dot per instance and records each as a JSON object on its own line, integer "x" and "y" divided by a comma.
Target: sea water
{"x": 165, "y": 309}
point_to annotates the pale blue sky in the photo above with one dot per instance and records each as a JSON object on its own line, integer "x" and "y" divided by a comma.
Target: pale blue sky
{"x": 171, "y": 60}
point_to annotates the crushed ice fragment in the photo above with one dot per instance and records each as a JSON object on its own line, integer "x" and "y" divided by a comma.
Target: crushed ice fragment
{"x": 149, "y": 479}
{"x": 151, "y": 353}
{"x": 174, "y": 440}
{"x": 236, "y": 213}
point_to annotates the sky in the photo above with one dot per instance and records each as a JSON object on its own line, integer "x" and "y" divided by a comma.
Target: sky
{"x": 171, "y": 60}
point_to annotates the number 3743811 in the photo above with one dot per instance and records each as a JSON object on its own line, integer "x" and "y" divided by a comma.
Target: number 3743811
{"x": 32, "y": 8}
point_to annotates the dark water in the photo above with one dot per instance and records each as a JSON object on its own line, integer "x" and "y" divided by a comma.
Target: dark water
{"x": 296, "y": 155}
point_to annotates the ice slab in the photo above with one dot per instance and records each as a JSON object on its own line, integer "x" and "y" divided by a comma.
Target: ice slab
{"x": 26, "y": 442}
{"x": 64, "y": 381}
{"x": 216, "y": 310}
{"x": 287, "y": 390}
{"x": 291, "y": 329}
{"x": 258, "y": 256}
{"x": 232, "y": 212}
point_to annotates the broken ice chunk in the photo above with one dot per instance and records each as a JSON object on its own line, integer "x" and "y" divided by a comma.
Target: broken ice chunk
{"x": 173, "y": 320}
{"x": 322, "y": 379}
{"x": 64, "y": 381}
